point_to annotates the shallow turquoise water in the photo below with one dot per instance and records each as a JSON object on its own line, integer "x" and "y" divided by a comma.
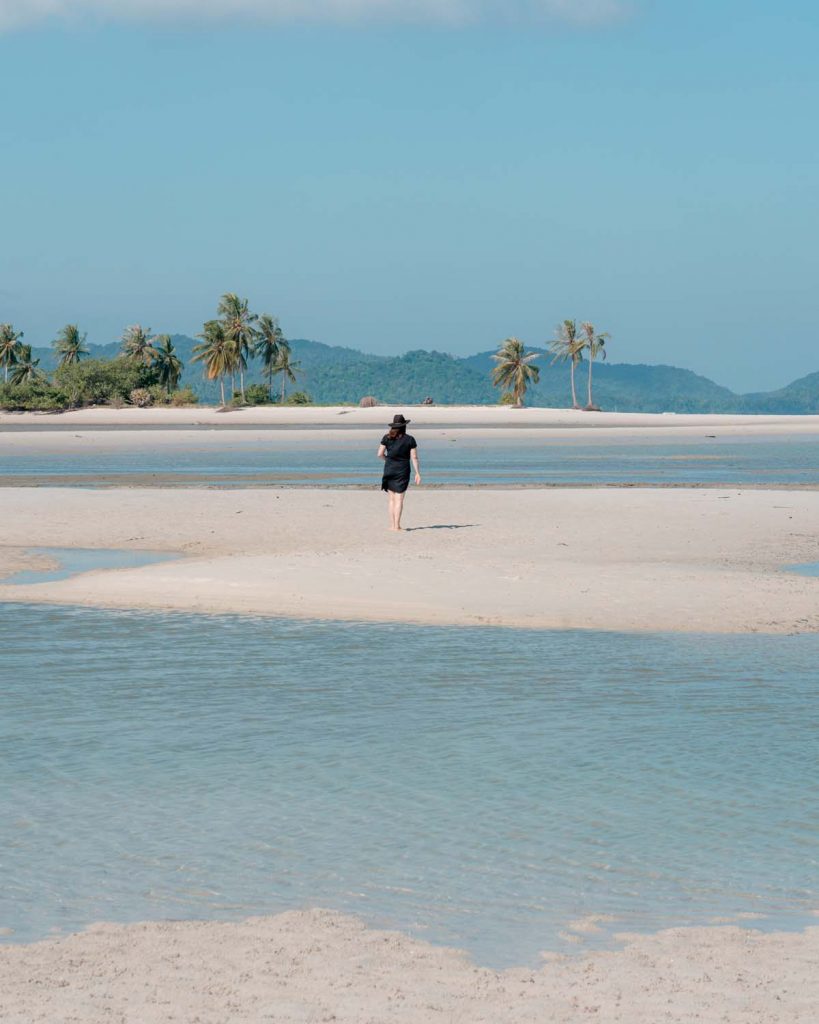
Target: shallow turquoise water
{"x": 477, "y": 787}
{"x": 71, "y": 561}
{"x": 806, "y": 569}
{"x": 342, "y": 458}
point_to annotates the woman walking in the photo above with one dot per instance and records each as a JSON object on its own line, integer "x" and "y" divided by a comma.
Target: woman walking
{"x": 397, "y": 449}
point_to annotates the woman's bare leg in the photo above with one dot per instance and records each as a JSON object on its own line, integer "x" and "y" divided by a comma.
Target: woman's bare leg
{"x": 399, "y": 508}
{"x": 391, "y": 508}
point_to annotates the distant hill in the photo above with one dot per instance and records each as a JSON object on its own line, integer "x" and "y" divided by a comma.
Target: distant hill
{"x": 333, "y": 374}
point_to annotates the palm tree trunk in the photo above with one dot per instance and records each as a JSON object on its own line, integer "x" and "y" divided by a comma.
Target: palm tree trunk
{"x": 284, "y": 383}
{"x": 574, "y": 392}
{"x": 242, "y": 383}
{"x": 222, "y": 387}
{"x": 591, "y": 363}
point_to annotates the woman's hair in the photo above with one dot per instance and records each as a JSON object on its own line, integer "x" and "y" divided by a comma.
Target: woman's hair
{"x": 397, "y": 431}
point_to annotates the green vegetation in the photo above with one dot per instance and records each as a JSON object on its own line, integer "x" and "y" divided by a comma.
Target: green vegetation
{"x": 515, "y": 370}
{"x": 594, "y": 345}
{"x": 332, "y": 375}
{"x": 568, "y": 347}
{"x": 232, "y": 340}
{"x": 137, "y": 344}
{"x": 9, "y": 348}
{"x": 166, "y": 363}
{"x": 70, "y": 345}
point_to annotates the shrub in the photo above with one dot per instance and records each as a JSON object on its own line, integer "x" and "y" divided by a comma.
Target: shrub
{"x": 507, "y": 398}
{"x": 142, "y": 398}
{"x": 96, "y": 381}
{"x": 159, "y": 395}
{"x": 185, "y": 396}
{"x": 298, "y": 398}
{"x": 368, "y": 402}
{"x": 257, "y": 394}
{"x": 32, "y": 396}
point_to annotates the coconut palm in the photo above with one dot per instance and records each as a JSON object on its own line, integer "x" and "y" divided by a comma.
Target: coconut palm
{"x": 9, "y": 348}
{"x": 568, "y": 347}
{"x": 515, "y": 369}
{"x": 269, "y": 342}
{"x": 595, "y": 345}
{"x": 238, "y": 323}
{"x": 285, "y": 366}
{"x": 217, "y": 353}
{"x": 167, "y": 363}
{"x": 137, "y": 343}
{"x": 24, "y": 370}
{"x": 69, "y": 345}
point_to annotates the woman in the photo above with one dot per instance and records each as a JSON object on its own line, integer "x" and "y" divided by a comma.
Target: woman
{"x": 397, "y": 449}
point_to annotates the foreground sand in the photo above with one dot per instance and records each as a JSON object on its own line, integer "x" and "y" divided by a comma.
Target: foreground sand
{"x": 317, "y": 966}
{"x": 636, "y": 559}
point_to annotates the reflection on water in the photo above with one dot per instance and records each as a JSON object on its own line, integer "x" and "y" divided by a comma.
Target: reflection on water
{"x": 477, "y": 787}
{"x": 348, "y": 459}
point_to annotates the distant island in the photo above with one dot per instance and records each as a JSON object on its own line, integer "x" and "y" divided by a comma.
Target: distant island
{"x": 333, "y": 374}
{"x": 243, "y": 358}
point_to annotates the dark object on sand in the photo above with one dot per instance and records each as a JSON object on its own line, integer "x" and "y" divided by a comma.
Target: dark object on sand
{"x": 427, "y": 401}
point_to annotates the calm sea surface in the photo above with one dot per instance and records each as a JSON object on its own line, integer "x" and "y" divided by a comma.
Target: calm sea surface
{"x": 347, "y": 458}
{"x": 478, "y": 787}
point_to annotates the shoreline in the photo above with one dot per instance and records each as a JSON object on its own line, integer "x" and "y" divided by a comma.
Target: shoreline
{"x": 618, "y": 560}
{"x": 315, "y": 965}
{"x": 494, "y": 418}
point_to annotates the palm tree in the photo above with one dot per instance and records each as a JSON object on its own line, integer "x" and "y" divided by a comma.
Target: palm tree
{"x": 269, "y": 342}
{"x": 137, "y": 343}
{"x": 25, "y": 369}
{"x": 285, "y": 366}
{"x": 515, "y": 370}
{"x": 166, "y": 362}
{"x": 69, "y": 345}
{"x": 9, "y": 348}
{"x": 595, "y": 345}
{"x": 238, "y": 322}
{"x": 216, "y": 352}
{"x": 567, "y": 346}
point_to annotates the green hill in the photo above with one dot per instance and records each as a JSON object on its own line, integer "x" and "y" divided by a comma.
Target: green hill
{"x": 333, "y": 374}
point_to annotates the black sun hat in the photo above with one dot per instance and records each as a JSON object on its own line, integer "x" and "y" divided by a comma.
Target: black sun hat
{"x": 398, "y": 421}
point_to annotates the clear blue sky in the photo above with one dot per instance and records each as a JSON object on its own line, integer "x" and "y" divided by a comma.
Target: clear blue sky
{"x": 427, "y": 185}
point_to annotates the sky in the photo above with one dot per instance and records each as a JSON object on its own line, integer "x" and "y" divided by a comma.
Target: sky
{"x": 402, "y": 174}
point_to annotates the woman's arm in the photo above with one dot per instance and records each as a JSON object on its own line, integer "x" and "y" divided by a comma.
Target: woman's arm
{"x": 416, "y": 465}
{"x": 382, "y": 452}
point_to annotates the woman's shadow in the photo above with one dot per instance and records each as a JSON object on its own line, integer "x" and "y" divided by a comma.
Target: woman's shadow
{"x": 442, "y": 526}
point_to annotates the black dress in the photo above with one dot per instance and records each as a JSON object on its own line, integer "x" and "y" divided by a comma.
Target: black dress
{"x": 397, "y": 463}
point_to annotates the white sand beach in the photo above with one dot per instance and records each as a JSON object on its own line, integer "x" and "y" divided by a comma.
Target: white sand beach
{"x": 315, "y": 966}
{"x": 465, "y": 417}
{"x": 634, "y": 559}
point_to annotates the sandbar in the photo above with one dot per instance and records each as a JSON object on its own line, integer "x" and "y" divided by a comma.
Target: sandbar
{"x": 690, "y": 560}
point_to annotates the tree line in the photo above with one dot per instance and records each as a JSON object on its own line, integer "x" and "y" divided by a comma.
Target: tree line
{"x": 237, "y": 335}
{"x": 516, "y": 367}
{"x": 148, "y": 367}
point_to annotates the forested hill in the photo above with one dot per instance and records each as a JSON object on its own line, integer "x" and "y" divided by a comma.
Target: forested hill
{"x": 334, "y": 374}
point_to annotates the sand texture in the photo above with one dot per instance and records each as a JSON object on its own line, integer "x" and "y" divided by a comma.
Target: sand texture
{"x": 316, "y": 966}
{"x": 637, "y": 559}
